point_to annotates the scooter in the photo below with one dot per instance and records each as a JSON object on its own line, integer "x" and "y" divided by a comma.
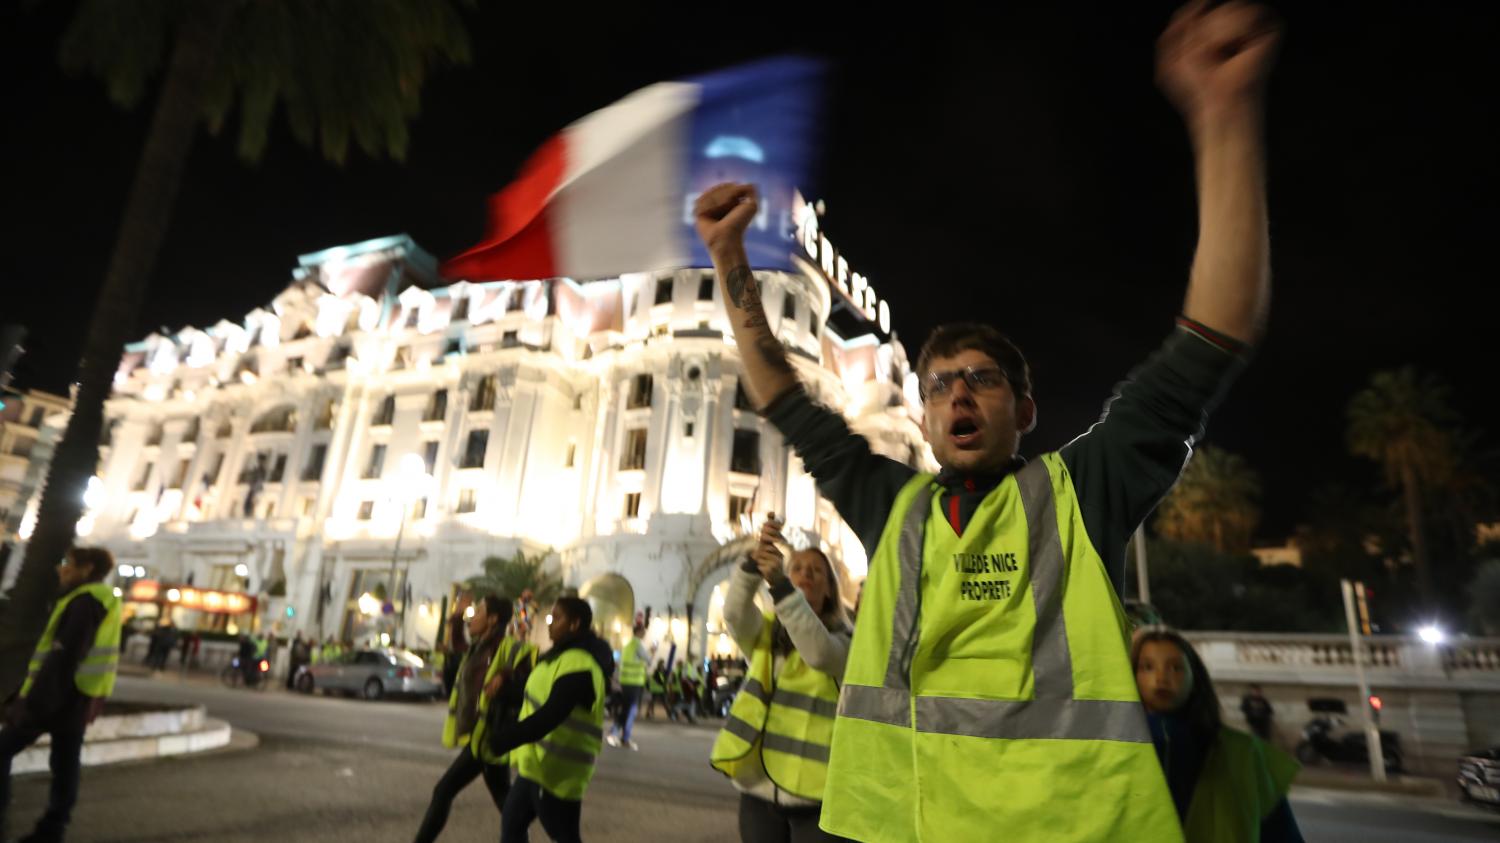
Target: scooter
{"x": 1320, "y": 743}
{"x": 234, "y": 676}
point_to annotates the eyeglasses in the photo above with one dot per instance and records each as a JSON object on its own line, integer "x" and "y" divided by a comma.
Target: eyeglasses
{"x": 983, "y": 379}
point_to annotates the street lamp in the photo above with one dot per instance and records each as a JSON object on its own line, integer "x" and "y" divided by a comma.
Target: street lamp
{"x": 1432, "y": 634}
{"x": 411, "y": 483}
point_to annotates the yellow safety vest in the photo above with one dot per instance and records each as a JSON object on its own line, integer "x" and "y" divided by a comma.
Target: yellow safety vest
{"x": 632, "y": 669}
{"x": 95, "y": 676}
{"x": 784, "y": 724}
{"x": 563, "y": 761}
{"x": 508, "y": 654}
{"x": 988, "y": 692}
{"x": 1242, "y": 781}
{"x": 509, "y": 657}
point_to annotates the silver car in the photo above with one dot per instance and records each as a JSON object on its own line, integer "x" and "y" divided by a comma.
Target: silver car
{"x": 373, "y": 674}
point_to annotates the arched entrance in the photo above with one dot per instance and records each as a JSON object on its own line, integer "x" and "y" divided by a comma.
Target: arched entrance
{"x": 613, "y": 602}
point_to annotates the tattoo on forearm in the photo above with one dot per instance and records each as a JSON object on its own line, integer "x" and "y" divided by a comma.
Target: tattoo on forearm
{"x": 744, "y": 292}
{"x": 742, "y": 287}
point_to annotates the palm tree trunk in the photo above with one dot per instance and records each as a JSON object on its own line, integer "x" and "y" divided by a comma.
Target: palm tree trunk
{"x": 148, "y": 211}
{"x": 1412, "y": 498}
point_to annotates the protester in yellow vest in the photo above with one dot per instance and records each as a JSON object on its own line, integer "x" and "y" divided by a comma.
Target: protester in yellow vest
{"x": 1228, "y": 787}
{"x": 561, "y": 729}
{"x": 634, "y": 658}
{"x": 774, "y": 744}
{"x": 988, "y": 691}
{"x": 70, "y": 675}
{"x": 492, "y": 659}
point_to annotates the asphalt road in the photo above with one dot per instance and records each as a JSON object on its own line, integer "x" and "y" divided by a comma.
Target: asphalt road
{"x": 344, "y": 769}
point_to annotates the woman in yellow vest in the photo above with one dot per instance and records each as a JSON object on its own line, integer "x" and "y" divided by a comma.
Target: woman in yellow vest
{"x": 492, "y": 660}
{"x": 561, "y": 728}
{"x": 70, "y": 675}
{"x": 774, "y": 745}
{"x": 1228, "y": 786}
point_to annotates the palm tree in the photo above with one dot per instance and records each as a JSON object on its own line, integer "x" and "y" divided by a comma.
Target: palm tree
{"x": 1213, "y": 503}
{"x": 510, "y": 578}
{"x": 343, "y": 69}
{"x": 1401, "y": 421}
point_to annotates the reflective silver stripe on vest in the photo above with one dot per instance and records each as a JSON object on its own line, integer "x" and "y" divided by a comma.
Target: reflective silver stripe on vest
{"x": 755, "y": 689}
{"x": 740, "y": 729}
{"x": 102, "y": 652}
{"x": 567, "y": 753}
{"x": 1083, "y": 720}
{"x": 891, "y": 706}
{"x": 1051, "y": 662}
{"x": 94, "y": 669}
{"x": 909, "y": 597}
{"x": 1053, "y": 714}
{"x": 804, "y": 702}
{"x": 792, "y": 746}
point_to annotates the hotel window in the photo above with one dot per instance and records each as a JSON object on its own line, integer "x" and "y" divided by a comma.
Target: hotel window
{"x": 461, "y": 309}
{"x": 633, "y": 505}
{"x": 413, "y": 316}
{"x": 419, "y": 509}
{"x": 474, "y": 449}
{"x": 663, "y": 291}
{"x": 572, "y": 453}
{"x": 510, "y": 339}
{"x": 788, "y": 306}
{"x": 366, "y": 510}
{"x": 739, "y": 505}
{"x": 484, "y": 395}
{"x": 467, "y": 501}
{"x": 376, "y": 464}
{"x": 437, "y": 406}
{"x": 633, "y": 457}
{"x": 279, "y": 469}
{"x": 640, "y": 392}
{"x": 314, "y": 468}
{"x": 741, "y": 397}
{"x": 385, "y": 413}
{"x": 706, "y": 288}
{"x": 745, "y": 458}
{"x": 429, "y": 455}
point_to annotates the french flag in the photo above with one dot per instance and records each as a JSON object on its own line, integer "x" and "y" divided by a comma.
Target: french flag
{"x": 614, "y": 192}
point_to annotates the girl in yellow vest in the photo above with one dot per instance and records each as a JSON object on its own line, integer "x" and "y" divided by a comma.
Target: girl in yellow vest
{"x": 1228, "y": 786}
{"x": 490, "y": 658}
{"x": 774, "y": 745}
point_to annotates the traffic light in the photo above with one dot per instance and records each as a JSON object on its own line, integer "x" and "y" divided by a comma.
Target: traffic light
{"x": 1375, "y": 702}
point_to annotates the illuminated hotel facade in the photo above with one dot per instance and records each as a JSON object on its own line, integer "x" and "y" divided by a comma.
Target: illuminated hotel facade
{"x": 603, "y": 421}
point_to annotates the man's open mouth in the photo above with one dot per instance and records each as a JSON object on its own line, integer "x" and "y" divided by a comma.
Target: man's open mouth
{"x": 964, "y": 433}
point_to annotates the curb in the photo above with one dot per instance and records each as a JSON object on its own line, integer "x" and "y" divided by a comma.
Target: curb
{"x": 212, "y": 735}
{"x": 1400, "y": 785}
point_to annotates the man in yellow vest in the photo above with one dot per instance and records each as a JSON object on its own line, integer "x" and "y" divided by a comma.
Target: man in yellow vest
{"x": 988, "y": 691}
{"x": 561, "y": 729}
{"x": 633, "y": 660}
{"x": 71, "y": 674}
{"x": 493, "y": 660}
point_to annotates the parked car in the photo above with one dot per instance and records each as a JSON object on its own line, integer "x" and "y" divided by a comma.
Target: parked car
{"x": 373, "y": 674}
{"x": 1479, "y": 777}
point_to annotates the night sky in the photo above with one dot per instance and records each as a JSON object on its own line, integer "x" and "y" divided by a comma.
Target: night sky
{"x": 1021, "y": 169}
